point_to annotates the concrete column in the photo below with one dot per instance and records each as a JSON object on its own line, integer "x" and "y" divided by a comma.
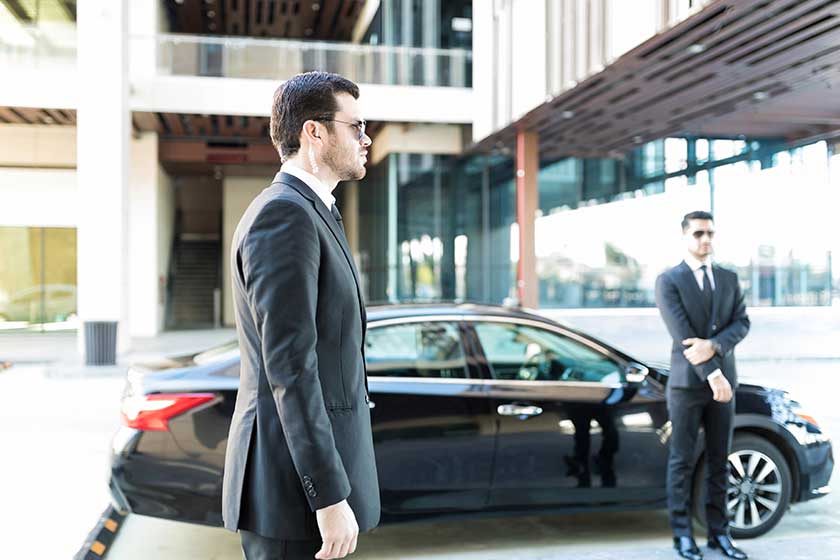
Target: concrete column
{"x": 392, "y": 289}
{"x": 149, "y": 214}
{"x": 145, "y": 21}
{"x": 527, "y": 203}
{"x": 103, "y": 134}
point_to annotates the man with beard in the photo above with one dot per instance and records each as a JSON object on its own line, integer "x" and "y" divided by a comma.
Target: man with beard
{"x": 300, "y": 475}
{"x": 703, "y": 308}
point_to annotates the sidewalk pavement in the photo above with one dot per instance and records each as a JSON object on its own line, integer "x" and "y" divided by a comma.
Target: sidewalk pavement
{"x": 777, "y": 333}
{"x": 58, "y": 351}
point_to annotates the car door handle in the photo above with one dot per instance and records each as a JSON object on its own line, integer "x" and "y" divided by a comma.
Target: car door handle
{"x": 519, "y": 410}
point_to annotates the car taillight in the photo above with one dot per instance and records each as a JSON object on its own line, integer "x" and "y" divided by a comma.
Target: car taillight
{"x": 153, "y": 412}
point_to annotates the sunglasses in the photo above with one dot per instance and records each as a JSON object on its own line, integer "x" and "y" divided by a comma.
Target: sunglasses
{"x": 360, "y": 126}
{"x": 701, "y": 232}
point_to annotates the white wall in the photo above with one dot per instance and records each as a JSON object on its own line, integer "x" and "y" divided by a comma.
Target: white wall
{"x": 231, "y": 96}
{"x": 28, "y": 145}
{"x": 143, "y": 295}
{"x": 237, "y": 194}
{"x": 38, "y": 197}
{"x": 417, "y": 139}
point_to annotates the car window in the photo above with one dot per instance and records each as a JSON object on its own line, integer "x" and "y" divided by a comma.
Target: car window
{"x": 521, "y": 352}
{"x": 427, "y": 350}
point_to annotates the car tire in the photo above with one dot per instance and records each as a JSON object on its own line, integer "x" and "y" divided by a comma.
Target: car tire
{"x": 769, "y": 496}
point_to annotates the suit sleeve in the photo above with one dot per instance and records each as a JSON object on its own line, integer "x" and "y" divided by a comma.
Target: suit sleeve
{"x": 281, "y": 260}
{"x": 738, "y": 328}
{"x": 676, "y": 321}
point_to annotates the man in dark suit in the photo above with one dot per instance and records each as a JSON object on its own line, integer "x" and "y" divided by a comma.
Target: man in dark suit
{"x": 703, "y": 309}
{"x": 300, "y": 474}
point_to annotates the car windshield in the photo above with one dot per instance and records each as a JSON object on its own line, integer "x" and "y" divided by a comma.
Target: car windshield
{"x": 219, "y": 353}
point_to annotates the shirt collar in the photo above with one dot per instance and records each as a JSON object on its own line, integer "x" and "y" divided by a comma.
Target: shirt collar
{"x": 694, "y": 264}
{"x": 311, "y": 181}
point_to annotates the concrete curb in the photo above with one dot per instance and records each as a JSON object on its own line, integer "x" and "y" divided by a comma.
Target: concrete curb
{"x": 102, "y": 536}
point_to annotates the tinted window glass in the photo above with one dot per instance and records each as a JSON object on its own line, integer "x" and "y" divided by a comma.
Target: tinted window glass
{"x": 519, "y": 352}
{"x": 431, "y": 350}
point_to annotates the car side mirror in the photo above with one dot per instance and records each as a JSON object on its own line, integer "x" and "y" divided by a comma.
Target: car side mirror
{"x": 635, "y": 373}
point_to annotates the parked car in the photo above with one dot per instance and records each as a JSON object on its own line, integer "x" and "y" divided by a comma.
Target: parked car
{"x": 476, "y": 410}
{"x": 58, "y": 301}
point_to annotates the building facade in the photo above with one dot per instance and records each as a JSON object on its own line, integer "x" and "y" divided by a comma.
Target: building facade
{"x": 540, "y": 152}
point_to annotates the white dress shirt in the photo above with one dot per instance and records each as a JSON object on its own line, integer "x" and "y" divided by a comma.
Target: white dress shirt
{"x": 311, "y": 181}
{"x": 694, "y": 264}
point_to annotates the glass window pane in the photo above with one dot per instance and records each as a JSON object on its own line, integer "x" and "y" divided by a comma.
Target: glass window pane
{"x": 20, "y": 277}
{"x": 60, "y": 277}
{"x": 517, "y": 352}
{"x": 429, "y": 350}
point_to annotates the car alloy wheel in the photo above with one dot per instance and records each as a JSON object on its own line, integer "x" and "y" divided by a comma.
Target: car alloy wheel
{"x": 755, "y": 489}
{"x": 760, "y": 486}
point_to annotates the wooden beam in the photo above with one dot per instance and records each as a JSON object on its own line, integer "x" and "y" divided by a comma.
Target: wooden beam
{"x": 58, "y": 116}
{"x": 201, "y": 125}
{"x": 32, "y": 116}
{"x": 9, "y": 115}
{"x": 235, "y": 21}
{"x": 173, "y": 122}
{"x": 255, "y": 127}
{"x": 69, "y": 7}
{"x": 147, "y": 122}
{"x": 17, "y": 10}
{"x": 197, "y": 151}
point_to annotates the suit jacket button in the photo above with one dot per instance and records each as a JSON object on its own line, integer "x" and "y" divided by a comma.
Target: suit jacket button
{"x": 313, "y": 494}
{"x": 306, "y": 478}
{"x": 714, "y": 327}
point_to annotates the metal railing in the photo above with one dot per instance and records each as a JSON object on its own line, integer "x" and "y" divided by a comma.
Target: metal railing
{"x": 53, "y": 47}
{"x": 245, "y": 57}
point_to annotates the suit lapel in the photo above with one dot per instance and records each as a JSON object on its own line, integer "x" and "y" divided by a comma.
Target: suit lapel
{"x": 335, "y": 229}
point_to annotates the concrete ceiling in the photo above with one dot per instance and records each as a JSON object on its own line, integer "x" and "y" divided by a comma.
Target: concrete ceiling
{"x": 753, "y": 68}
{"x": 288, "y": 19}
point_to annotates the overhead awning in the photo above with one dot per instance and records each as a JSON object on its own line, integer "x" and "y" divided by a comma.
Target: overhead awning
{"x": 737, "y": 68}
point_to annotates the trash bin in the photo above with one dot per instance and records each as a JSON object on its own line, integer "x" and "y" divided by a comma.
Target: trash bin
{"x": 100, "y": 343}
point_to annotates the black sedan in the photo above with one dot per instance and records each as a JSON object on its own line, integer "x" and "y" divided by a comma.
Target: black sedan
{"x": 477, "y": 409}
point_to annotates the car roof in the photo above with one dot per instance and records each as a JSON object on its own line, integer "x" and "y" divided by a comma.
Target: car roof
{"x": 379, "y": 312}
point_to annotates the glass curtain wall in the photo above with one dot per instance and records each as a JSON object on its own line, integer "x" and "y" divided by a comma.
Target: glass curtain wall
{"x": 37, "y": 278}
{"x": 433, "y": 228}
{"x": 426, "y": 24}
{"x": 443, "y": 228}
{"x": 607, "y": 228}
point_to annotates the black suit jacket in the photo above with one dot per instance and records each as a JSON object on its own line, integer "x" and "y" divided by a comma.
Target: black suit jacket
{"x": 680, "y": 302}
{"x": 300, "y": 438}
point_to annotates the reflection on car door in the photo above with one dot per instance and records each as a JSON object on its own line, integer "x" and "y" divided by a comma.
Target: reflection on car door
{"x": 571, "y": 432}
{"x": 433, "y": 433}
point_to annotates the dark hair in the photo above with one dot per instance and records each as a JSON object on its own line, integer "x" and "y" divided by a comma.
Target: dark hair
{"x": 309, "y": 96}
{"x": 696, "y": 215}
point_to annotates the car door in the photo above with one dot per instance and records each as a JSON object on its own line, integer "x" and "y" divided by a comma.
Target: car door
{"x": 433, "y": 433}
{"x": 572, "y": 430}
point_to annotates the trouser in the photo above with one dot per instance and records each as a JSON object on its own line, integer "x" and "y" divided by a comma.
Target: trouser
{"x": 257, "y": 547}
{"x": 689, "y": 409}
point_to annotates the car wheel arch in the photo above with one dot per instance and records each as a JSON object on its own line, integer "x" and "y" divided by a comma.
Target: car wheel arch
{"x": 766, "y": 428}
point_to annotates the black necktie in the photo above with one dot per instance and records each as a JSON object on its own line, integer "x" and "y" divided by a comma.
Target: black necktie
{"x": 707, "y": 290}
{"x": 337, "y": 215}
